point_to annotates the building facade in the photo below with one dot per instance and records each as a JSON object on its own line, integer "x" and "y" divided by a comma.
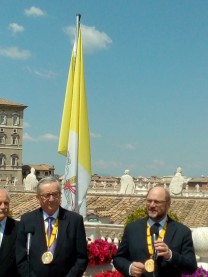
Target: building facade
{"x": 41, "y": 170}
{"x": 11, "y": 137}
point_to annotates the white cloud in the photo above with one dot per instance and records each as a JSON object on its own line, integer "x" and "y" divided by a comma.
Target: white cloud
{"x": 43, "y": 74}
{"x": 94, "y": 135}
{"x": 93, "y": 39}
{"x": 27, "y": 137}
{"x": 35, "y": 12}
{"x": 26, "y": 124}
{"x": 48, "y": 137}
{"x": 15, "y": 53}
{"x": 127, "y": 146}
{"x": 44, "y": 137}
{"x": 103, "y": 165}
{"x": 16, "y": 28}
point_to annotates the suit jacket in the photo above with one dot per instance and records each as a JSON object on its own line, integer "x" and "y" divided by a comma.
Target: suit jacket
{"x": 70, "y": 256}
{"x": 133, "y": 247}
{"x": 7, "y": 249}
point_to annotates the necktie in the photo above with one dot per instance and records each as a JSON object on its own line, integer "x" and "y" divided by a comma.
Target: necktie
{"x": 156, "y": 228}
{"x": 157, "y": 225}
{"x": 49, "y": 232}
{"x": 50, "y": 227}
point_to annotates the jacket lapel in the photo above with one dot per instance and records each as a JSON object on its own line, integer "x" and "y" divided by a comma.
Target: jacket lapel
{"x": 171, "y": 229}
{"x": 61, "y": 229}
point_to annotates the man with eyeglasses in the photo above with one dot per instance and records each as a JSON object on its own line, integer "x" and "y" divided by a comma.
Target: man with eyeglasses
{"x": 51, "y": 240}
{"x": 156, "y": 245}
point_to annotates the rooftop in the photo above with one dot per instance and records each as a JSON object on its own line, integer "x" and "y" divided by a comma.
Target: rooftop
{"x": 193, "y": 212}
{"x": 5, "y": 102}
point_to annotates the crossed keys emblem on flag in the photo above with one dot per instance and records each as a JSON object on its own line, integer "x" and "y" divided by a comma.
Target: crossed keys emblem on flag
{"x": 69, "y": 186}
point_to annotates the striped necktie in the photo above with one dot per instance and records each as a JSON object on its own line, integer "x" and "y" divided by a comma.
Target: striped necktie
{"x": 50, "y": 226}
{"x": 49, "y": 232}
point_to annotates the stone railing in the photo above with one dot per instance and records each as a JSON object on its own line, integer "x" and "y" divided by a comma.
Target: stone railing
{"x": 110, "y": 232}
{"x": 113, "y": 233}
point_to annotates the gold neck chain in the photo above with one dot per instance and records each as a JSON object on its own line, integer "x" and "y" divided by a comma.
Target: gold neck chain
{"x": 50, "y": 241}
{"x": 149, "y": 237}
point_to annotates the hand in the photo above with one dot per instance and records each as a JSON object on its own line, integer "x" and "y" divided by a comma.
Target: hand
{"x": 137, "y": 269}
{"x": 162, "y": 249}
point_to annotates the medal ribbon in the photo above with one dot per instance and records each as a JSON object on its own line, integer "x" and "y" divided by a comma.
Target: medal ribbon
{"x": 149, "y": 237}
{"x": 50, "y": 241}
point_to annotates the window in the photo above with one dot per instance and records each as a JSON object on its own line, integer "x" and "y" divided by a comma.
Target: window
{"x": 14, "y": 160}
{"x": 14, "y": 140}
{"x": 2, "y": 139}
{"x": 16, "y": 119}
{"x": 2, "y": 159}
{"x": 3, "y": 119}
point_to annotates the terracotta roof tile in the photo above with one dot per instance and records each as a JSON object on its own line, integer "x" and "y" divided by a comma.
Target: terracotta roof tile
{"x": 5, "y": 102}
{"x": 191, "y": 211}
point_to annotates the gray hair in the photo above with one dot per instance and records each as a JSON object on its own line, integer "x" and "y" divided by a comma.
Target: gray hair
{"x": 167, "y": 193}
{"x": 7, "y": 193}
{"x": 48, "y": 180}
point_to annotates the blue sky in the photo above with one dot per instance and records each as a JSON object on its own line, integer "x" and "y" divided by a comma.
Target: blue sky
{"x": 146, "y": 67}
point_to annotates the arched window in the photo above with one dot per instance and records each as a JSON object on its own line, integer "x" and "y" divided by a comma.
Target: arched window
{"x": 15, "y": 119}
{"x": 2, "y": 139}
{"x": 3, "y": 118}
{"x": 14, "y": 139}
{"x": 2, "y": 159}
{"x": 14, "y": 160}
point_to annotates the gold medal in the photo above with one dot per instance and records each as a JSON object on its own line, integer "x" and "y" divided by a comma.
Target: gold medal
{"x": 149, "y": 265}
{"x": 47, "y": 257}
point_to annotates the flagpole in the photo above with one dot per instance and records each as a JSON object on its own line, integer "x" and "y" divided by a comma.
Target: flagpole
{"x": 78, "y": 22}
{"x": 78, "y": 18}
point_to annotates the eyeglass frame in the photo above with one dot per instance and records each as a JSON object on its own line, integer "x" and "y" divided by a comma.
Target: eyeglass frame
{"x": 47, "y": 196}
{"x": 156, "y": 202}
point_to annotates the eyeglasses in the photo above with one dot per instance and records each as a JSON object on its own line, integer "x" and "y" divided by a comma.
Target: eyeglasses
{"x": 48, "y": 195}
{"x": 156, "y": 202}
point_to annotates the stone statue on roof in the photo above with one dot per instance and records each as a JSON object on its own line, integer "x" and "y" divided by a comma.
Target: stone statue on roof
{"x": 127, "y": 183}
{"x": 177, "y": 183}
{"x": 31, "y": 180}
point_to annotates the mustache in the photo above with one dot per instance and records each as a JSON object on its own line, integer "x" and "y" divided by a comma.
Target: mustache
{"x": 4, "y": 210}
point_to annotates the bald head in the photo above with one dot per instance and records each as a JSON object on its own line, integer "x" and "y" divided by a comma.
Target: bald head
{"x": 158, "y": 203}
{"x": 160, "y": 191}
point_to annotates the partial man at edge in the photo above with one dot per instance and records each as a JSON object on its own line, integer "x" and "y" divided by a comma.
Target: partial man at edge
{"x": 8, "y": 234}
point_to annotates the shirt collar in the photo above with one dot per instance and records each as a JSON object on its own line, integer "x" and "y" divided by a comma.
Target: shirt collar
{"x": 3, "y": 224}
{"x": 162, "y": 222}
{"x": 45, "y": 215}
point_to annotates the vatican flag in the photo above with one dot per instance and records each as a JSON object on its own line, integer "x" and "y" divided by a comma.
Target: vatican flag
{"x": 74, "y": 140}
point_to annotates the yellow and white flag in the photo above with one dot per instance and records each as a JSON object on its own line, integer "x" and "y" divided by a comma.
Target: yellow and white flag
{"x": 74, "y": 140}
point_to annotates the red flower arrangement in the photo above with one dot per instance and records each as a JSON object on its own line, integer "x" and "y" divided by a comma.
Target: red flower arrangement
{"x": 101, "y": 252}
{"x": 109, "y": 274}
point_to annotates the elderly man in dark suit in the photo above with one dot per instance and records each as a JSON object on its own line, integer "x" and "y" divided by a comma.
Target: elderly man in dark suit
{"x": 57, "y": 242}
{"x": 156, "y": 245}
{"x": 8, "y": 234}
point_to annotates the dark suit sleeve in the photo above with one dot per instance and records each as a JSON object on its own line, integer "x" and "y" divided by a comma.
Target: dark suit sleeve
{"x": 81, "y": 260}
{"x": 21, "y": 256}
{"x": 122, "y": 260}
{"x": 184, "y": 259}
